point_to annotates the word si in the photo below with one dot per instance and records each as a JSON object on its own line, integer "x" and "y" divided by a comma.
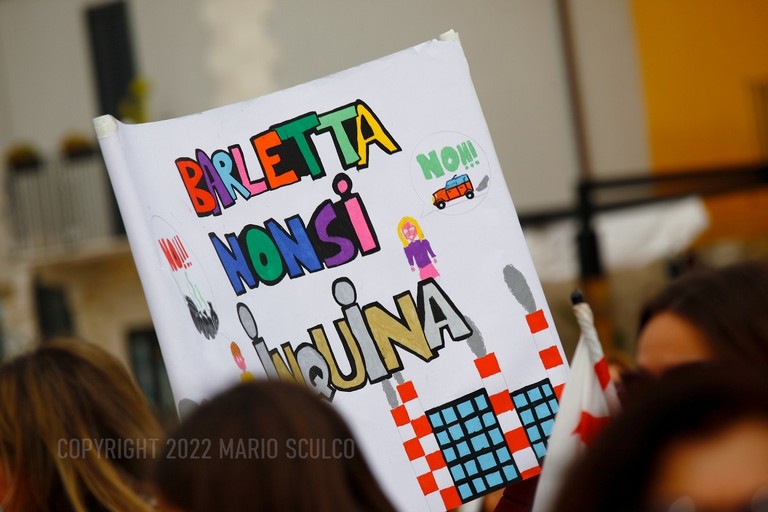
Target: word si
{"x": 335, "y": 234}
{"x": 286, "y": 153}
{"x": 450, "y": 158}
{"x": 369, "y": 336}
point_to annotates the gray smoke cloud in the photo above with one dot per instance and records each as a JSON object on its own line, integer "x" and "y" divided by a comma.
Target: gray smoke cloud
{"x": 476, "y": 342}
{"x": 399, "y": 378}
{"x": 389, "y": 390}
{"x": 518, "y": 285}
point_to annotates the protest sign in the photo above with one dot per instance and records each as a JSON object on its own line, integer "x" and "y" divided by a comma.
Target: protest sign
{"x": 355, "y": 234}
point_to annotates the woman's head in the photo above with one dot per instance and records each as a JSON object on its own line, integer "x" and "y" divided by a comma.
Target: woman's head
{"x": 409, "y": 230}
{"x": 267, "y": 446}
{"x": 697, "y": 437}
{"x": 56, "y": 401}
{"x": 713, "y": 314}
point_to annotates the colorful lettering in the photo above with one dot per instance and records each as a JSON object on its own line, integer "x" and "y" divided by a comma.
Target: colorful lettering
{"x": 449, "y": 160}
{"x": 334, "y": 121}
{"x": 369, "y": 131}
{"x": 416, "y": 329}
{"x": 286, "y": 152}
{"x": 192, "y": 176}
{"x": 336, "y": 233}
{"x": 298, "y": 131}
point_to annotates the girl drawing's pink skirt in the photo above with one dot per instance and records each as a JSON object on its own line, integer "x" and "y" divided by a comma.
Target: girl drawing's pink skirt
{"x": 428, "y": 271}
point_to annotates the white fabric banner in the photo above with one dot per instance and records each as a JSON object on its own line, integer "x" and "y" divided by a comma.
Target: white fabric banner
{"x": 353, "y": 233}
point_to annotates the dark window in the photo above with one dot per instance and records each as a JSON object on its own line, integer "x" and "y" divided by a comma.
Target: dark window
{"x": 53, "y": 313}
{"x": 151, "y": 376}
{"x": 112, "y": 54}
{"x": 113, "y": 66}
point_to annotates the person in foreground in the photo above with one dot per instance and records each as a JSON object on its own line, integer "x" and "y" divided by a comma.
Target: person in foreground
{"x": 696, "y": 439}
{"x": 56, "y": 401}
{"x": 706, "y": 315}
{"x": 266, "y": 446}
{"x": 716, "y": 314}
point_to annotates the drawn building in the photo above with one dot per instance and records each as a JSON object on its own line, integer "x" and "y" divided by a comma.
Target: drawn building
{"x": 488, "y": 438}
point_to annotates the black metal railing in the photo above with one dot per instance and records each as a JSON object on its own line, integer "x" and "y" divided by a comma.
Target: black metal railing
{"x": 61, "y": 205}
{"x": 603, "y": 195}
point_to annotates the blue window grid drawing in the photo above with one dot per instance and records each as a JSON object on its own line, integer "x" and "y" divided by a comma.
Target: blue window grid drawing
{"x": 473, "y": 445}
{"x": 537, "y": 405}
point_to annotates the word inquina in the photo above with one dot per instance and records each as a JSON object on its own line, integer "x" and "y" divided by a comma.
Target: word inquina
{"x": 371, "y": 337}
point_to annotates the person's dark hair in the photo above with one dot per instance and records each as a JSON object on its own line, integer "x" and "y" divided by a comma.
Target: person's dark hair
{"x": 299, "y": 455}
{"x": 729, "y": 305}
{"x": 54, "y": 400}
{"x": 687, "y": 402}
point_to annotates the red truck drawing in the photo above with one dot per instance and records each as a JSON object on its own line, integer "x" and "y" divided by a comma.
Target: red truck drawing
{"x": 454, "y": 189}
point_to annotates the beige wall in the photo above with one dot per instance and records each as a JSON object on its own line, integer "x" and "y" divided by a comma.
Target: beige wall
{"x": 611, "y": 86}
{"x": 171, "y": 48}
{"x": 46, "y": 71}
{"x": 103, "y": 293}
{"x": 105, "y": 297}
{"x": 19, "y": 321}
{"x": 48, "y": 87}
{"x": 46, "y": 90}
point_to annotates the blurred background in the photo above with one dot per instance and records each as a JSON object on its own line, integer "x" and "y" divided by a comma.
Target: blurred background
{"x": 632, "y": 135}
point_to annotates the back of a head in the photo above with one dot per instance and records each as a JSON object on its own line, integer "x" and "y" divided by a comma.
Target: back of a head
{"x": 54, "y": 402}
{"x": 728, "y": 305}
{"x": 686, "y": 404}
{"x": 265, "y": 446}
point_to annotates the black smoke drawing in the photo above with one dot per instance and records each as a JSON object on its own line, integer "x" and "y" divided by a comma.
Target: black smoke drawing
{"x": 205, "y": 323}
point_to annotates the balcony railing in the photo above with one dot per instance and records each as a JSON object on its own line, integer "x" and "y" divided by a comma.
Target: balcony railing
{"x": 62, "y": 206}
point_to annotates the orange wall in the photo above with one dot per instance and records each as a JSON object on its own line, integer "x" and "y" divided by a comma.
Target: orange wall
{"x": 699, "y": 59}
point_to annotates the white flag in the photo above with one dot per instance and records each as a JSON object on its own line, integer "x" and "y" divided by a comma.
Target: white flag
{"x": 589, "y": 399}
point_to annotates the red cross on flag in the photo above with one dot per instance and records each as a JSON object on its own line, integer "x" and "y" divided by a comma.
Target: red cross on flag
{"x": 588, "y": 401}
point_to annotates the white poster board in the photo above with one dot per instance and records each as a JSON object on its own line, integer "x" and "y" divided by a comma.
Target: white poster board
{"x": 354, "y": 233}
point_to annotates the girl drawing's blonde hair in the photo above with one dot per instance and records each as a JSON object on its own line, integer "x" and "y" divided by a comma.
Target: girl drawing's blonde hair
{"x": 403, "y": 222}
{"x": 52, "y": 402}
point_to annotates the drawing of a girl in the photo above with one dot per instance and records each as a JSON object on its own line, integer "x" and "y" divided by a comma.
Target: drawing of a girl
{"x": 417, "y": 249}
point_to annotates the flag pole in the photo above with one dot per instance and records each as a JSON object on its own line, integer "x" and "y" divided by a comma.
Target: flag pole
{"x": 588, "y": 401}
